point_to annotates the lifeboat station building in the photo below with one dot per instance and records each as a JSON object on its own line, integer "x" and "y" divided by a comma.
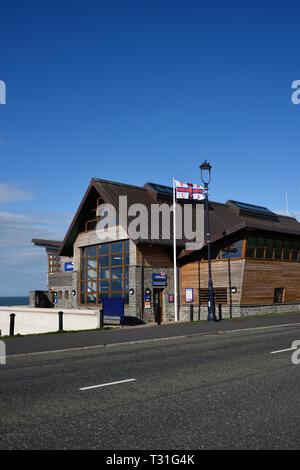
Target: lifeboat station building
{"x": 255, "y": 256}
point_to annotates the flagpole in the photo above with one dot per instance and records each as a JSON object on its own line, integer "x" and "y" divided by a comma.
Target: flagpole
{"x": 174, "y": 253}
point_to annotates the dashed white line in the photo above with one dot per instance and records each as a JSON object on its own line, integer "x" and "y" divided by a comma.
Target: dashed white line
{"x": 107, "y": 384}
{"x": 283, "y": 350}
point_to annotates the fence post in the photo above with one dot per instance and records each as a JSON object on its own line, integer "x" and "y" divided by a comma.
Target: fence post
{"x": 12, "y": 324}
{"x": 60, "y": 321}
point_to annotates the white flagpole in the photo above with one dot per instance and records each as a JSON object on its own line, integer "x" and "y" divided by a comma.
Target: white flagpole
{"x": 174, "y": 253}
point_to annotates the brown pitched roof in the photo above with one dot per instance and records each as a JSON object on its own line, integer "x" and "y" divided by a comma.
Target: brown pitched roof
{"x": 225, "y": 219}
{"x": 46, "y": 243}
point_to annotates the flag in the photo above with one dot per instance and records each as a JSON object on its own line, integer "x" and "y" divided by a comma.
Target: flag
{"x": 188, "y": 191}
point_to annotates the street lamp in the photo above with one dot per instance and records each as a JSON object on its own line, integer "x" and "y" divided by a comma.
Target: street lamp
{"x": 206, "y": 177}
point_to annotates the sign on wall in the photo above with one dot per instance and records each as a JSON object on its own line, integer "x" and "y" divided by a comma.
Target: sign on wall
{"x": 159, "y": 279}
{"x": 189, "y": 295}
{"x": 69, "y": 266}
{"x": 147, "y": 300}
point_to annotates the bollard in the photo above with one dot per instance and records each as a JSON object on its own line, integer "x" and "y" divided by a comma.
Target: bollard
{"x": 191, "y": 312}
{"x": 101, "y": 318}
{"x": 220, "y": 312}
{"x": 60, "y": 321}
{"x": 12, "y": 324}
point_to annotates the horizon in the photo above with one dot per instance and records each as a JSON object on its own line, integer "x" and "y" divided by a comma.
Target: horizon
{"x": 136, "y": 92}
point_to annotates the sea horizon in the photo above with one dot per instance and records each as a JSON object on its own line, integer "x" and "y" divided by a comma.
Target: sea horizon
{"x": 13, "y": 300}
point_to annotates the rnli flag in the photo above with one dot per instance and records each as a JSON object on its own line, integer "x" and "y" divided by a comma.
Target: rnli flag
{"x": 188, "y": 191}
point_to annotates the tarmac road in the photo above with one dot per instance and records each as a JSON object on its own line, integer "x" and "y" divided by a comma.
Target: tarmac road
{"x": 216, "y": 391}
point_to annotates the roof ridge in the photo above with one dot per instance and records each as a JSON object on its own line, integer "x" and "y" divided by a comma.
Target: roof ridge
{"x": 99, "y": 180}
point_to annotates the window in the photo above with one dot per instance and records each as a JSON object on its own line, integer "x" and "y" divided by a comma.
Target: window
{"x": 104, "y": 272}
{"x": 91, "y": 218}
{"x": 53, "y": 263}
{"x": 278, "y": 295}
{"x": 277, "y": 249}
{"x": 233, "y": 250}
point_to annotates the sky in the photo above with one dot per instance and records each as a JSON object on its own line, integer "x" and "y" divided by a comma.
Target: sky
{"x": 137, "y": 91}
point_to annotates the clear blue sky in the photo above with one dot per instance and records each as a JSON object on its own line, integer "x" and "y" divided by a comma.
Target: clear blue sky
{"x": 138, "y": 91}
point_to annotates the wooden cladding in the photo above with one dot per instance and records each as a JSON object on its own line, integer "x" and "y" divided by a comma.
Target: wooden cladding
{"x": 261, "y": 279}
{"x": 154, "y": 256}
{"x": 220, "y": 296}
{"x": 225, "y": 274}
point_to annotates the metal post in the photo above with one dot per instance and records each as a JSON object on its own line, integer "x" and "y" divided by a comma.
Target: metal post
{"x": 191, "y": 312}
{"x": 101, "y": 318}
{"x": 60, "y": 321}
{"x": 12, "y": 324}
{"x": 211, "y": 296}
{"x": 220, "y": 311}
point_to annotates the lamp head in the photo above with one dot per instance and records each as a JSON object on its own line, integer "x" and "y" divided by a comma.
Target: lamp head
{"x": 205, "y": 172}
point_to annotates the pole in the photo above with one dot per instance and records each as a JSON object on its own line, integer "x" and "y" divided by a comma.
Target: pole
{"x": 60, "y": 321}
{"x": 174, "y": 253}
{"x": 12, "y": 324}
{"x": 210, "y": 294}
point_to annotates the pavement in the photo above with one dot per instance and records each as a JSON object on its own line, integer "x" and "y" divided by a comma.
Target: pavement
{"x": 134, "y": 334}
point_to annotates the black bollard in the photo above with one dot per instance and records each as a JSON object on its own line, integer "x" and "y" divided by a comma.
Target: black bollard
{"x": 101, "y": 318}
{"x": 220, "y": 312}
{"x": 191, "y": 312}
{"x": 60, "y": 321}
{"x": 12, "y": 324}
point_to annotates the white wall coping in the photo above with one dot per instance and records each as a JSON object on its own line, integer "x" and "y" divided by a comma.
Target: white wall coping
{"x": 71, "y": 311}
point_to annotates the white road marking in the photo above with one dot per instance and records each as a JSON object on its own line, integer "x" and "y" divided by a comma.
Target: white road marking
{"x": 106, "y": 385}
{"x": 283, "y": 350}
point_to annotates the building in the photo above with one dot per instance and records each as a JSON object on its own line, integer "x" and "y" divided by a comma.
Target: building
{"x": 109, "y": 250}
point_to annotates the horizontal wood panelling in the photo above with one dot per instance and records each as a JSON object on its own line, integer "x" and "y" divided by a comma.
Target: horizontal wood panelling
{"x": 261, "y": 278}
{"x": 154, "y": 256}
{"x": 224, "y": 274}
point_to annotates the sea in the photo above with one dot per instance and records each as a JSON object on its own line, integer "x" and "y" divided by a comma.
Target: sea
{"x": 7, "y": 301}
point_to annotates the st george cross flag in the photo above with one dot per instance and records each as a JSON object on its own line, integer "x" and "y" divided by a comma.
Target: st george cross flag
{"x": 188, "y": 191}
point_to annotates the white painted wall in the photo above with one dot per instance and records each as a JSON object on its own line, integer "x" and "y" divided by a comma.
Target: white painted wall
{"x": 43, "y": 320}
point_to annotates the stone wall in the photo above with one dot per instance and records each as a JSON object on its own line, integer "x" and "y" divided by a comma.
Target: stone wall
{"x": 227, "y": 311}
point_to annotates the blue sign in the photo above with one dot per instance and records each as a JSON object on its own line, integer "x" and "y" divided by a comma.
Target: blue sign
{"x": 159, "y": 279}
{"x": 69, "y": 266}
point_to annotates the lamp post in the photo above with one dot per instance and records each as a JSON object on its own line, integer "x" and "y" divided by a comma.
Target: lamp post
{"x": 206, "y": 177}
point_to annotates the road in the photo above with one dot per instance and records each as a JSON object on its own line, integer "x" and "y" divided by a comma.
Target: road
{"x": 216, "y": 391}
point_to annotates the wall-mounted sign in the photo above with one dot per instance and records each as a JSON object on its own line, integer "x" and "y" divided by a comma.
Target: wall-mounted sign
{"x": 147, "y": 301}
{"x": 171, "y": 298}
{"x": 189, "y": 295}
{"x": 159, "y": 279}
{"x": 69, "y": 266}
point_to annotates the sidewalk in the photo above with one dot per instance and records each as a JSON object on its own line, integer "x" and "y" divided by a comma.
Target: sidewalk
{"x": 140, "y": 333}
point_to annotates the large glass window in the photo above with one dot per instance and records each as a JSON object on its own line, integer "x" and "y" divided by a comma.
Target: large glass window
{"x": 277, "y": 249}
{"x": 91, "y": 218}
{"x": 233, "y": 250}
{"x": 104, "y": 272}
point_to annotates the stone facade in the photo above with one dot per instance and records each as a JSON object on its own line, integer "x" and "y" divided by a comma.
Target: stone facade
{"x": 141, "y": 279}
